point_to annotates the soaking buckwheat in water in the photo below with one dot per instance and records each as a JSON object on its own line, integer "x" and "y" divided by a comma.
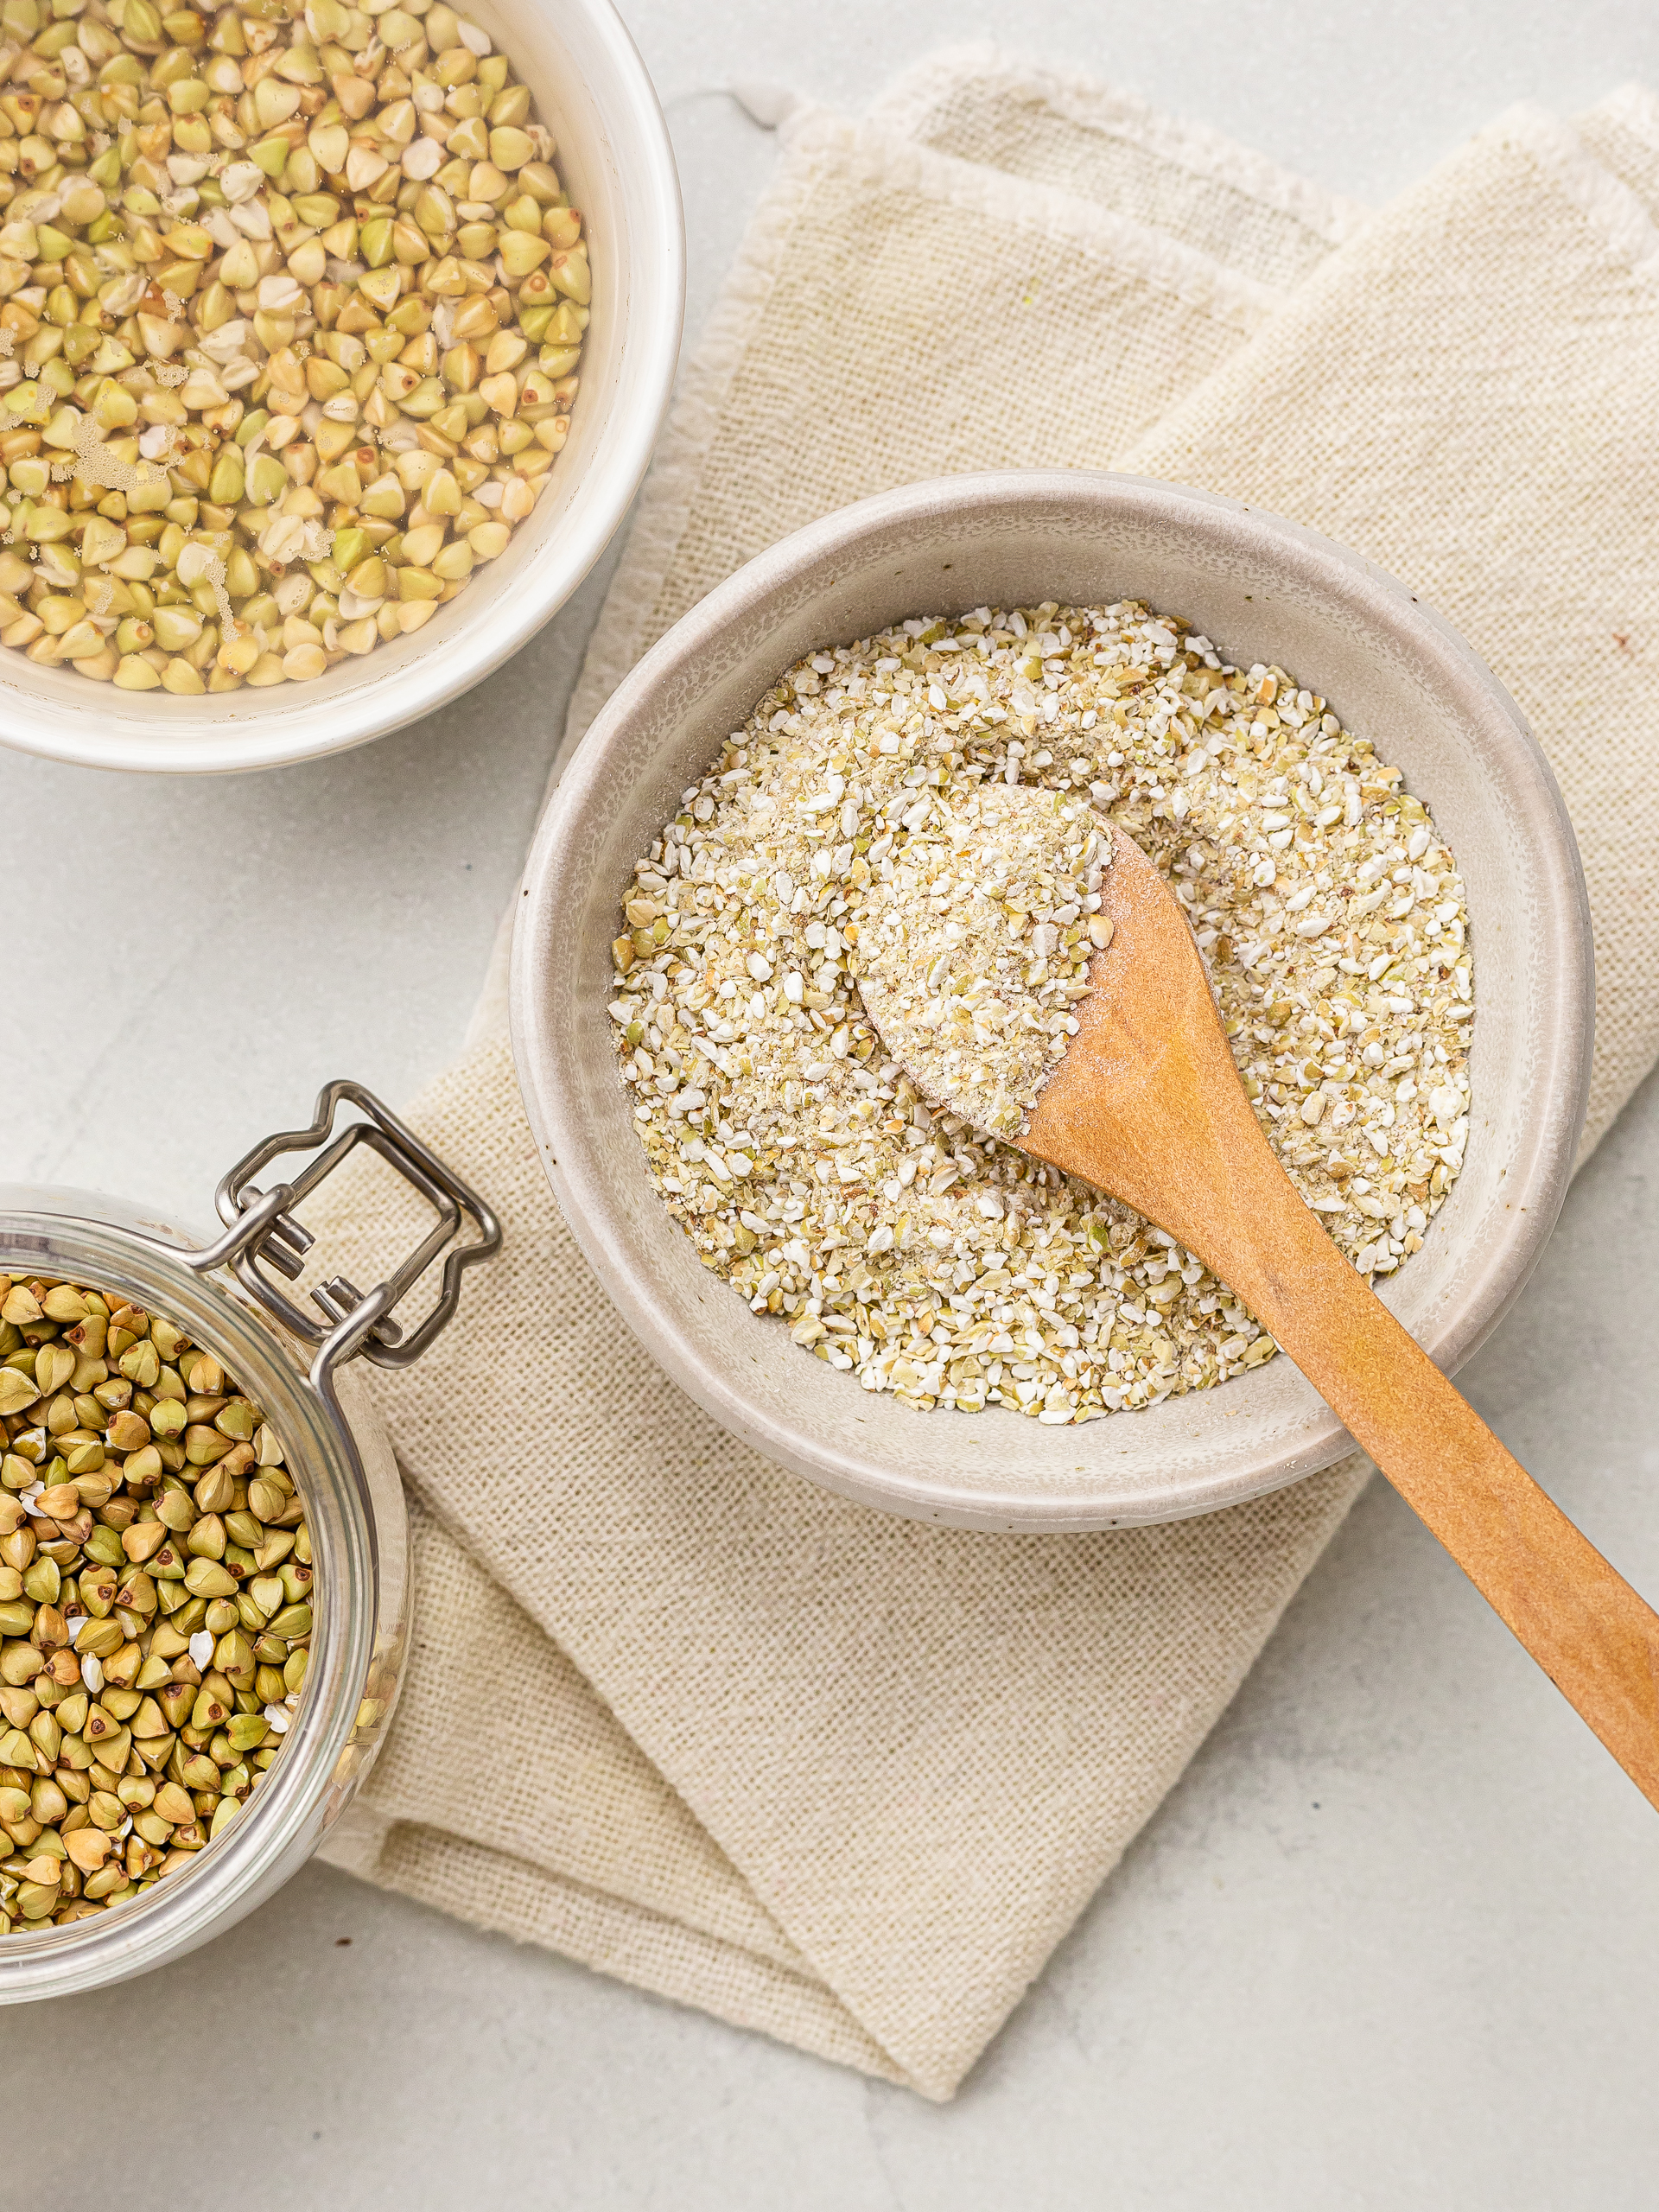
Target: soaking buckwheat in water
{"x": 912, "y": 1247}
{"x": 292, "y": 299}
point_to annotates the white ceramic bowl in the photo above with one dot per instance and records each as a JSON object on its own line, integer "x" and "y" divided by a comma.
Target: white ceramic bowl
{"x": 592, "y": 92}
{"x": 1264, "y": 589}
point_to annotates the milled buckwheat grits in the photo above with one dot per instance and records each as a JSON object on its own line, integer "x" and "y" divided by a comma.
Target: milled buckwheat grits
{"x": 949, "y": 959}
{"x": 908, "y": 1246}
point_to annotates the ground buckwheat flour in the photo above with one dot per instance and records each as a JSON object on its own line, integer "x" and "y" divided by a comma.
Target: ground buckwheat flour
{"x": 909, "y": 1246}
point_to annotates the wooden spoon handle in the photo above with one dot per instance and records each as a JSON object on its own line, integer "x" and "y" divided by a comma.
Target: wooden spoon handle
{"x": 1595, "y": 1638}
{"x": 1147, "y": 1104}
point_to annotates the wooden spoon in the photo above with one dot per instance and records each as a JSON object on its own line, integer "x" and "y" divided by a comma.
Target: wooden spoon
{"x": 1147, "y": 1104}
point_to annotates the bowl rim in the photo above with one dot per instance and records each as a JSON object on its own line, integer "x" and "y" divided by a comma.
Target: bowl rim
{"x": 297, "y": 729}
{"x": 1563, "y": 1057}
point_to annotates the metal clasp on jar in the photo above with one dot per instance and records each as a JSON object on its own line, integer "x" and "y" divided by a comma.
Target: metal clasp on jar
{"x": 262, "y": 1233}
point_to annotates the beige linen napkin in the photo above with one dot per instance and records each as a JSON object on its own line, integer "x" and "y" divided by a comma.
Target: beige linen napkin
{"x": 1467, "y": 392}
{"x": 1098, "y": 143}
{"x": 835, "y": 1775}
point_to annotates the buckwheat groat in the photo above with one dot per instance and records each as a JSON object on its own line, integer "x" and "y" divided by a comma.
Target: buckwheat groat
{"x": 155, "y": 1589}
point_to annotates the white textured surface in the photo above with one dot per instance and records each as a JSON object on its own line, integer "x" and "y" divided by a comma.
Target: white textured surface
{"x": 1390, "y": 1940}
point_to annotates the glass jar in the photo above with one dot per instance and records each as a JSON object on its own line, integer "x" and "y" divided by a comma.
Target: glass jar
{"x": 307, "y": 1373}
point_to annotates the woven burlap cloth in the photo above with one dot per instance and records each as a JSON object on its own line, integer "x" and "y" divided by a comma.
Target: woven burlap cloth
{"x": 670, "y": 1711}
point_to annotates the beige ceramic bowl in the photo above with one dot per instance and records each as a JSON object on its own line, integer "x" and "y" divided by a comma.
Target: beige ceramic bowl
{"x": 592, "y": 90}
{"x": 1264, "y": 590}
